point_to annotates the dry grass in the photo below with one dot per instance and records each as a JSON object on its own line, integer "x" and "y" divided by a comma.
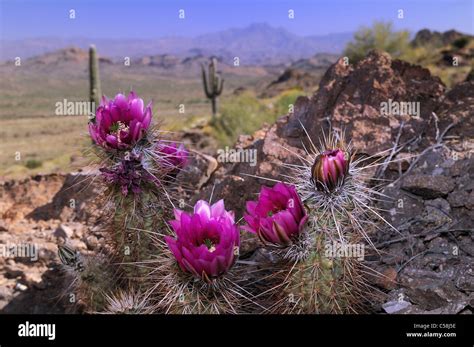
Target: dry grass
{"x": 29, "y": 125}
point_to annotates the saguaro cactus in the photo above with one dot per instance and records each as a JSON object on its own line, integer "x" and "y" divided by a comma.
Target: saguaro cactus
{"x": 94, "y": 79}
{"x": 213, "y": 85}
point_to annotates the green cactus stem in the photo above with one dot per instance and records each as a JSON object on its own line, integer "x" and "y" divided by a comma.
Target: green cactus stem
{"x": 92, "y": 276}
{"x": 134, "y": 219}
{"x": 94, "y": 79}
{"x": 319, "y": 284}
{"x": 213, "y": 85}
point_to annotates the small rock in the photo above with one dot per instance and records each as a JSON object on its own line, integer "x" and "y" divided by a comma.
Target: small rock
{"x": 459, "y": 167}
{"x": 78, "y": 233}
{"x": 5, "y": 293}
{"x": 437, "y": 212}
{"x": 92, "y": 242}
{"x": 13, "y": 270}
{"x": 198, "y": 171}
{"x": 451, "y": 308}
{"x": 46, "y": 255}
{"x": 33, "y": 278}
{"x": 64, "y": 231}
{"x": 428, "y": 297}
{"x": 429, "y": 187}
{"x": 395, "y": 306}
{"x": 77, "y": 245}
{"x": 436, "y": 244}
{"x": 440, "y": 204}
{"x": 465, "y": 281}
{"x": 20, "y": 287}
{"x": 458, "y": 198}
{"x": 402, "y": 163}
{"x": 3, "y": 225}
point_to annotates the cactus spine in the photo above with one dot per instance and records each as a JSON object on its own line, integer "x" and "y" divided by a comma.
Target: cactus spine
{"x": 174, "y": 292}
{"x": 92, "y": 276}
{"x": 213, "y": 85}
{"x": 134, "y": 218}
{"x": 94, "y": 79}
{"x": 318, "y": 284}
{"x": 323, "y": 271}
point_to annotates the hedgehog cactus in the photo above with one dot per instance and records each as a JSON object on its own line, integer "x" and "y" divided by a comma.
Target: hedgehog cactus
{"x": 318, "y": 284}
{"x": 213, "y": 85}
{"x": 335, "y": 189}
{"x": 92, "y": 277}
{"x": 137, "y": 167}
{"x": 126, "y": 302}
{"x": 190, "y": 264}
{"x": 305, "y": 276}
{"x": 318, "y": 258}
{"x": 135, "y": 216}
{"x": 195, "y": 275}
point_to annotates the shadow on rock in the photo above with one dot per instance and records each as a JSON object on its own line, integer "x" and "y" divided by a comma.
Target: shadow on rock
{"x": 45, "y": 297}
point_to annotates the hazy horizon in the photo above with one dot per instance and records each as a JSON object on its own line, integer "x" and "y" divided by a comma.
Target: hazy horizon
{"x": 177, "y": 36}
{"x": 145, "y": 19}
{"x": 256, "y": 39}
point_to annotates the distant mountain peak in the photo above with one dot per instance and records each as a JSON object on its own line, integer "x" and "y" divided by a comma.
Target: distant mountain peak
{"x": 64, "y": 55}
{"x": 260, "y": 25}
{"x": 256, "y": 44}
{"x": 428, "y": 37}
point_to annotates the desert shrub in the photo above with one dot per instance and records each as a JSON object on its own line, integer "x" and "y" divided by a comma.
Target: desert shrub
{"x": 242, "y": 114}
{"x": 284, "y": 100}
{"x": 33, "y": 163}
{"x": 382, "y": 37}
{"x": 450, "y": 76}
{"x": 461, "y": 42}
{"x": 422, "y": 55}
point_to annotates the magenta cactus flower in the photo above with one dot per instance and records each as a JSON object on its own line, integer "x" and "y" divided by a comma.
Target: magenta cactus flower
{"x": 207, "y": 242}
{"x": 330, "y": 169}
{"x": 121, "y": 122}
{"x": 278, "y": 216}
{"x": 173, "y": 156}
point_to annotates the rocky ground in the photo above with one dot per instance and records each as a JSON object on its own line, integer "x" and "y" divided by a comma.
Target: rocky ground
{"x": 43, "y": 211}
{"x": 427, "y": 265}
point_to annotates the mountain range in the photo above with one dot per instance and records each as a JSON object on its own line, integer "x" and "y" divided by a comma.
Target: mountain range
{"x": 256, "y": 44}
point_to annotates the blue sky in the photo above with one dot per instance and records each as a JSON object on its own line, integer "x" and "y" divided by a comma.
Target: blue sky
{"x": 149, "y": 19}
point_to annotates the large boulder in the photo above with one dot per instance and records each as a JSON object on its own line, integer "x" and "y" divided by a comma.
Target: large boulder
{"x": 349, "y": 97}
